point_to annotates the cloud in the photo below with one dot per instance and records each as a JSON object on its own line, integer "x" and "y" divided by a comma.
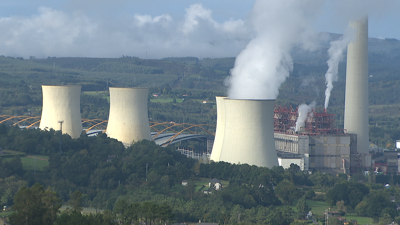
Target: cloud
{"x": 57, "y": 33}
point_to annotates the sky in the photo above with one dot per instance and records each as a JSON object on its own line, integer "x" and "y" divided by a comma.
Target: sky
{"x": 159, "y": 28}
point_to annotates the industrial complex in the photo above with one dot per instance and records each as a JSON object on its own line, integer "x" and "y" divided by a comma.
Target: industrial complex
{"x": 250, "y": 131}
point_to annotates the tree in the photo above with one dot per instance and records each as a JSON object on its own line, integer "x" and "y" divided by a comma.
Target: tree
{"x": 385, "y": 219}
{"x": 287, "y": 191}
{"x": 76, "y": 201}
{"x": 340, "y": 206}
{"x": 334, "y": 221}
{"x": 35, "y": 206}
{"x": 310, "y": 194}
{"x": 302, "y": 208}
{"x": 53, "y": 204}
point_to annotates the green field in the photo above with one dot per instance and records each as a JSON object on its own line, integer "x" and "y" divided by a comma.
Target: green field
{"x": 11, "y": 153}
{"x": 103, "y": 94}
{"x": 29, "y": 163}
{"x": 360, "y": 220}
{"x": 166, "y": 100}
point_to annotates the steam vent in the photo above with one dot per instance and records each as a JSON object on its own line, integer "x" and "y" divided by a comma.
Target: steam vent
{"x": 356, "y": 102}
{"x": 128, "y": 120}
{"x": 62, "y": 104}
{"x": 248, "y": 132}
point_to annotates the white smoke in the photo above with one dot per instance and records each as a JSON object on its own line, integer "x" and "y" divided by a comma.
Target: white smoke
{"x": 335, "y": 53}
{"x": 303, "y": 112}
{"x": 265, "y": 63}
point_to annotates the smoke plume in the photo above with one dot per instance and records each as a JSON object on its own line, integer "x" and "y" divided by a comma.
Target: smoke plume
{"x": 335, "y": 52}
{"x": 303, "y": 112}
{"x": 265, "y": 63}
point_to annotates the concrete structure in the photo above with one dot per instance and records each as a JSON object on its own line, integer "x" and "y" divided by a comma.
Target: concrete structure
{"x": 219, "y": 133}
{"x": 248, "y": 134}
{"x": 356, "y": 103}
{"x": 128, "y": 119}
{"x": 323, "y": 153}
{"x": 62, "y": 103}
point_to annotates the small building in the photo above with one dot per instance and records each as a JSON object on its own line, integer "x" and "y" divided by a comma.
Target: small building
{"x": 215, "y": 184}
{"x": 184, "y": 182}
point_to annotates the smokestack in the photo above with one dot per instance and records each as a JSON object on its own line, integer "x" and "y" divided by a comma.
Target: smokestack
{"x": 219, "y": 134}
{"x": 128, "y": 121}
{"x": 249, "y": 132}
{"x": 62, "y": 103}
{"x": 356, "y": 104}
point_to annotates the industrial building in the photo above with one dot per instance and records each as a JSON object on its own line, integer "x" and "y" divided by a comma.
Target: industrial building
{"x": 61, "y": 109}
{"x": 247, "y": 132}
{"x": 318, "y": 146}
{"x": 128, "y": 120}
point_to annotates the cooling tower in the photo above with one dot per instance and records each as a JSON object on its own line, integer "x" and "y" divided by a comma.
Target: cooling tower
{"x": 62, "y": 103}
{"x": 219, "y": 134}
{"x": 249, "y": 133}
{"x": 356, "y": 103}
{"x": 128, "y": 121}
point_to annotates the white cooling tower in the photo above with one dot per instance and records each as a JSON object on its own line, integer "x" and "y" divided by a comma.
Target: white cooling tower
{"x": 249, "y": 133}
{"x": 219, "y": 134}
{"x": 62, "y": 103}
{"x": 356, "y": 103}
{"x": 128, "y": 121}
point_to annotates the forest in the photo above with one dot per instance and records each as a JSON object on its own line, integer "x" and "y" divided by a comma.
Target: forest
{"x": 140, "y": 182}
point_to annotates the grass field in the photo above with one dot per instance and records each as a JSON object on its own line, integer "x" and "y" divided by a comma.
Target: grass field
{"x": 29, "y": 163}
{"x": 103, "y": 94}
{"x": 166, "y": 100}
{"x": 11, "y": 153}
{"x": 360, "y": 220}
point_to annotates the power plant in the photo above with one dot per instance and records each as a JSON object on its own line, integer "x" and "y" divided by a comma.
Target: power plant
{"x": 248, "y": 136}
{"x": 61, "y": 109}
{"x": 128, "y": 119}
{"x": 249, "y": 131}
{"x": 356, "y": 114}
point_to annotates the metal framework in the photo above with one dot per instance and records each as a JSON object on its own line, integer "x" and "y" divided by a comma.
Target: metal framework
{"x": 318, "y": 122}
{"x": 99, "y": 124}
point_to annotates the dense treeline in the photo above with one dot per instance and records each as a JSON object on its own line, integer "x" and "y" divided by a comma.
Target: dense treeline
{"x": 109, "y": 175}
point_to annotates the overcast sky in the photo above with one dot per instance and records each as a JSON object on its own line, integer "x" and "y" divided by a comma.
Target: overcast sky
{"x": 158, "y": 28}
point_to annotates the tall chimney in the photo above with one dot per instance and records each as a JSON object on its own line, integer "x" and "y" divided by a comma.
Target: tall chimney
{"x": 356, "y": 113}
{"x": 249, "y": 133}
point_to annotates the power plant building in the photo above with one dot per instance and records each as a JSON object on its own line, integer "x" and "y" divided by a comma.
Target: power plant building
{"x": 318, "y": 146}
{"x": 128, "y": 119}
{"x": 248, "y": 136}
{"x": 356, "y": 114}
{"x": 61, "y": 107}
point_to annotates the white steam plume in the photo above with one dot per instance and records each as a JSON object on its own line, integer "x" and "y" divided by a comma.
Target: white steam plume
{"x": 303, "y": 112}
{"x": 335, "y": 52}
{"x": 265, "y": 63}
